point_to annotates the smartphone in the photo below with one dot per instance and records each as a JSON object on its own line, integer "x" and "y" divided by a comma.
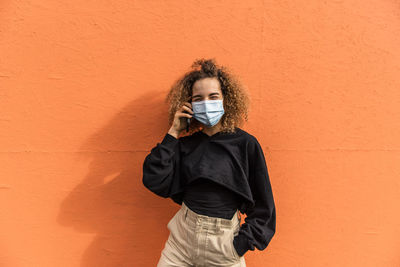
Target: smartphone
{"x": 188, "y": 119}
{"x": 188, "y": 123}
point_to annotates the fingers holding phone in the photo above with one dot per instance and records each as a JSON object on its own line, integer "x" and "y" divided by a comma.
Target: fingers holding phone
{"x": 182, "y": 118}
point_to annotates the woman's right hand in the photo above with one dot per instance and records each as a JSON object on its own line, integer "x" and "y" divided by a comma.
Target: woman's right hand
{"x": 180, "y": 119}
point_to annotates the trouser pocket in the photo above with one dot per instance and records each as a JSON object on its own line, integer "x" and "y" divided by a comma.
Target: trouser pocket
{"x": 234, "y": 232}
{"x": 173, "y": 219}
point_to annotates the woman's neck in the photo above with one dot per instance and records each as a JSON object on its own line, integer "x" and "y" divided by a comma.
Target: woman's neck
{"x": 211, "y": 130}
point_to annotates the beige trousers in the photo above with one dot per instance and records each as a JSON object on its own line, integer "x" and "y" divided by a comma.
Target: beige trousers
{"x": 201, "y": 241}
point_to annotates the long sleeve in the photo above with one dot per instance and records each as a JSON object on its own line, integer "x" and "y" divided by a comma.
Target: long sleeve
{"x": 260, "y": 221}
{"x": 161, "y": 167}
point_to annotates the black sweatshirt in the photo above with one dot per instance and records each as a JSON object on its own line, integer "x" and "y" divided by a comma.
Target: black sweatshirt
{"x": 234, "y": 160}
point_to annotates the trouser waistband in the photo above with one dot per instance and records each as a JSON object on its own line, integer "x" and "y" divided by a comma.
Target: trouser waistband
{"x": 194, "y": 217}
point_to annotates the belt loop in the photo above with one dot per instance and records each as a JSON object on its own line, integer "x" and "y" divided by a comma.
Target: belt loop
{"x": 218, "y": 224}
{"x": 186, "y": 211}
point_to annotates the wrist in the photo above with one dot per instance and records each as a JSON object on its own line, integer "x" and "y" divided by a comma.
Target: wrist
{"x": 174, "y": 133}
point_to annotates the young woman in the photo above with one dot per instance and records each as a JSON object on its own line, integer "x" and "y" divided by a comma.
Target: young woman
{"x": 214, "y": 172}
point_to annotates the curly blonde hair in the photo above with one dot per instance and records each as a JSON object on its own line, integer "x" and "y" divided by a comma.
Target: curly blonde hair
{"x": 236, "y": 100}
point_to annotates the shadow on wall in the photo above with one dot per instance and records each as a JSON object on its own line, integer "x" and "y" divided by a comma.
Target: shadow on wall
{"x": 128, "y": 221}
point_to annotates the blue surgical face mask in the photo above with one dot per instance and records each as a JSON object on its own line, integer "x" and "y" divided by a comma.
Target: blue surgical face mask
{"x": 208, "y": 112}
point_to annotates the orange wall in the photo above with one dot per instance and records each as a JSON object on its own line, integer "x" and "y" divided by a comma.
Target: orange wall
{"x": 82, "y": 86}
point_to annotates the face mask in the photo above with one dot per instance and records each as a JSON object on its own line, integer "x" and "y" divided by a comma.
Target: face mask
{"x": 208, "y": 112}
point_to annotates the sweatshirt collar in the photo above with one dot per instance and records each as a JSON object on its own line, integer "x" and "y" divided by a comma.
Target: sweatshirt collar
{"x": 219, "y": 133}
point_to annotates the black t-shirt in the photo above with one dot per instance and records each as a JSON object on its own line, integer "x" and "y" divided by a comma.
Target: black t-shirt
{"x": 211, "y": 199}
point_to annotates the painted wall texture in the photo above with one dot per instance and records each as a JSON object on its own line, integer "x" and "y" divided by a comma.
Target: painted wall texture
{"x": 82, "y": 87}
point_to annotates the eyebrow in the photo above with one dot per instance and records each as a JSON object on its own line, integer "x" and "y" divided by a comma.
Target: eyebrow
{"x": 215, "y": 93}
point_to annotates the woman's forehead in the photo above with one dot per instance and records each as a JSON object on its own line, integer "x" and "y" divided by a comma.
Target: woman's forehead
{"x": 206, "y": 86}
